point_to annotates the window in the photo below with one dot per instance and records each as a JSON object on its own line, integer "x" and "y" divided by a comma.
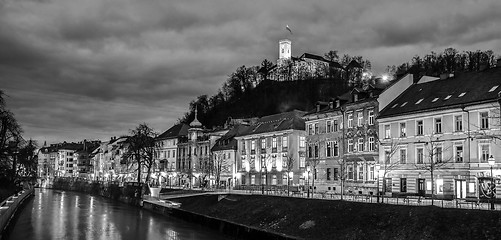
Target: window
{"x": 302, "y": 162}
{"x": 387, "y": 185}
{"x": 458, "y": 123}
{"x": 336, "y": 174}
{"x": 387, "y": 157}
{"x": 243, "y": 162}
{"x": 274, "y": 144}
{"x": 459, "y": 153}
{"x": 403, "y": 184}
{"x": 371, "y": 173}
{"x": 438, "y": 125}
{"x": 310, "y": 151}
{"x": 371, "y": 144}
{"x": 310, "y": 129}
{"x": 419, "y": 127}
{"x": 328, "y": 174}
{"x": 361, "y": 172}
{"x": 302, "y": 142}
{"x": 371, "y": 117}
{"x": 360, "y": 144}
{"x": 438, "y": 151}
{"x": 253, "y": 147}
{"x": 403, "y": 156}
{"x": 402, "y": 130}
{"x": 263, "y": 144}
{"x": 350, "y": 145}
{"x": 243, "y": 147}
{"x": 285, "y": 143}
{"x": 387, "y": 133}
{"x": 274, "y": 180}
{"x": 316, "y": 128}
{"x": 350, "y": 172}
{"x": 484, "y": 120}
{"x": 360, "y": 118}
{"x": 335, "y": 126}
{"x": 328, "y": 148}
{"x": 350, "y": 120}
{"x": 253, "y": 179}
{"x": 484, "y": 152}
{"x": 336, "y": 149}
{"x": 328, "y": 127}
{"x": 420, "y": 155}
{"x": 316, "y": 151}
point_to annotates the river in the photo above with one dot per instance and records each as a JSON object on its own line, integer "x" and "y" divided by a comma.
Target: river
{"x": 54, "y": 214}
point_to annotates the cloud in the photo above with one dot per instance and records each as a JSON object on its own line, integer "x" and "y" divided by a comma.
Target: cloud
{"x": 98, "y": 68}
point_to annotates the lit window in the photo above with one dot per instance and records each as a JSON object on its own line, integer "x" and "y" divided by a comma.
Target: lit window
{"x": 360, "y": 144}
{"x": 387, "y": 133}
{"x": 403, "y": 104}
{"x": 462, "y": 94}
{"x": 371, "y": 144}
{"x": 402, "y": 130}
{"x": 394, "y": 106}
{"x": 434, "y": 100}
{"x": 371, "y": 117}
{"x": 350, "y": 145}
{"x": 360, "y": 118}
{"x": 302, "y": 142}
{"x": 448, "y": 96}
{"x": 419, "y": 101}
{"x": 459, "y": 153}
{"x": 350, "y": 120}
{"x": 285, "y": 143}
{"x": 493, "y": 88}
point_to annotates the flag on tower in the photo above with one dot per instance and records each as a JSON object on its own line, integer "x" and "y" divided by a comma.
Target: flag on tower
{"x": 288, "y": 29}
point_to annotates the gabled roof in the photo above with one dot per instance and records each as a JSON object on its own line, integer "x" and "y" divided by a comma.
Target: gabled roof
{"x": 462, "y": 90}
{"x": 228, "y": 141}
{"x": 277, "y": 122}
{"x": 313, "y": 56}
{"x": 175, "y": 131}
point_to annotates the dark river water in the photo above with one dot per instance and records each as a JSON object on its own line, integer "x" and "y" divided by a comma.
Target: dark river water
{"x": 54, "y": 214}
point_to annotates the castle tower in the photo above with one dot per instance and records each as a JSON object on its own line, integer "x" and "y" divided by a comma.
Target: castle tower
{"x": 285, "y": 49}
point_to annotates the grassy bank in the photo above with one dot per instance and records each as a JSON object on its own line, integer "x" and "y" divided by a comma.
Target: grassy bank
{"x": 326, "y": 219}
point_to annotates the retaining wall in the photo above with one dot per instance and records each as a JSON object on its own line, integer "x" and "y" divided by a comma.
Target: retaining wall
{"x": 9, "y": 207}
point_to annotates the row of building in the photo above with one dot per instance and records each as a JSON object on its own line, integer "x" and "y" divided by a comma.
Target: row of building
{"x": 394, "y": 138}
{"x": 416, "y": 135}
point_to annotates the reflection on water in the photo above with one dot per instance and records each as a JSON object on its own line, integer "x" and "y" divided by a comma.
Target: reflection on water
{"x": 56, "y": 214}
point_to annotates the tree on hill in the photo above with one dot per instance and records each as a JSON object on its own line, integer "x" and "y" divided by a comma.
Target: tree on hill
{"x": 449, "y": 61}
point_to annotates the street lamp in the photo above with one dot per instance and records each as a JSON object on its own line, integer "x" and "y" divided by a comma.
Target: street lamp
{"x": 308, "y": 179}
{"x": 492, "y": 161}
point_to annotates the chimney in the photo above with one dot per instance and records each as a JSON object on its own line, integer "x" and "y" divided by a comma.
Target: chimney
{"x": 318, "y": 107}
{"x": 331, "y": 105}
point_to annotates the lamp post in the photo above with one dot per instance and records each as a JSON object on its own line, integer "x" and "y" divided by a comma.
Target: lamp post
{"x": 308, "y": 180}
{"x": 492, "y": 161}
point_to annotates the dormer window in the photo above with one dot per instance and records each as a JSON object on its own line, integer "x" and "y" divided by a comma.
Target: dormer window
{"x": 355, "y": 97}
{"x": 338, "y": 103}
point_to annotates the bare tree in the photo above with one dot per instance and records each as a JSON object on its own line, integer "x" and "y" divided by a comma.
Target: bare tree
{"x": 142, "y": 149}
{"x": 221, "y": 165}
{"x": 313, "y": 163}
{"x": 388, "y": 163}
{"x": 266, "y": 165}
{"x": 289, "y": 167}
{"x": 28, "y": 160}
{"x": 342, "y": 174}
{"x": 434, "y": 150}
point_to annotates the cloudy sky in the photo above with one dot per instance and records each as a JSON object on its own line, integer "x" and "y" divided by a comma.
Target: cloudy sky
{"x": 92, "y": 69}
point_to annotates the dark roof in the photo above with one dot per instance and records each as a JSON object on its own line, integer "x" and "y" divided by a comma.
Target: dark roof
{"x": 175, "y": 131}
{"x": 447, "y": 93}
{"x": 277, "y": 122}
{"x": 313, "y": 56}
{"x": 228, "y": 141}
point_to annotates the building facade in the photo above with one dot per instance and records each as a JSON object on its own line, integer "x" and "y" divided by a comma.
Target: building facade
{"x": 271, "y": 151}
{"x": 438, "y": 136}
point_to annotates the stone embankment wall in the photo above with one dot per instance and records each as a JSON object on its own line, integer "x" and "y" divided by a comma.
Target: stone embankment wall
{"x": 128, "y": 193}
{"x": 9, "y": 209}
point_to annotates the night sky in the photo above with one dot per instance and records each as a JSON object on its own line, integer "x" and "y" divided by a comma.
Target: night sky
{"x": 75, "y": 70}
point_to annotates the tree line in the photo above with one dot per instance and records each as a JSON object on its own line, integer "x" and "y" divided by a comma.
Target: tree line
{"x": 18, "y": 156}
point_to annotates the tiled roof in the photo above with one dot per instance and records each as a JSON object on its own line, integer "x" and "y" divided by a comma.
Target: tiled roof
{"x": 175, "y": 131}
{"x": 277, "y": 122}
{"x": 462, "y": 90}
{"x": 228, "y": 141}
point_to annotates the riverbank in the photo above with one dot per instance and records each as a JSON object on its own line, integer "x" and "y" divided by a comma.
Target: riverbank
{"x": 331, "y": 219}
